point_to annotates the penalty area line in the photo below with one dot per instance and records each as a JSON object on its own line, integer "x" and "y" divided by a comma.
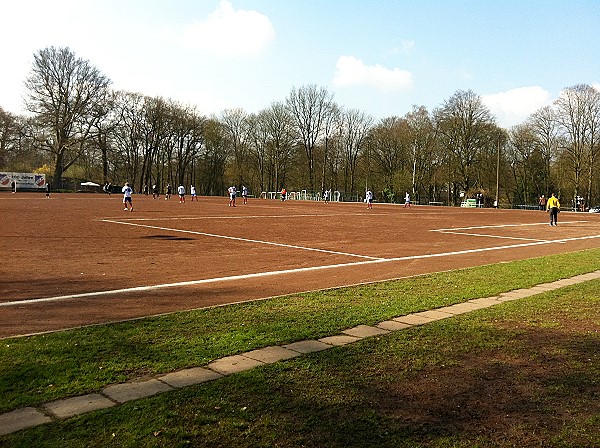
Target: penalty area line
{"x": 247, "y": 240}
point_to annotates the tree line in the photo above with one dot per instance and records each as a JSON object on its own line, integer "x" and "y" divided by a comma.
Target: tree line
{"x": 78, "y": 128}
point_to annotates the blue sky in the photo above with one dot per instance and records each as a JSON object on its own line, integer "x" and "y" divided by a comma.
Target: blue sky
{"x": 379, "y": 56}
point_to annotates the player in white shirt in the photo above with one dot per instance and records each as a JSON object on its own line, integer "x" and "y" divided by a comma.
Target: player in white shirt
{"x": 127, "y": 197}
{"x": 193, "y": 193}
{"x": 181, "y": 193}
{"x": 232, "y": 194}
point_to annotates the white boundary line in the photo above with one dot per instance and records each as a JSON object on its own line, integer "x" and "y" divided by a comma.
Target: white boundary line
{"x": 492, "y": 236}
{"x": 184, "y": 218}
{"x": 502, "y": 226}
{"x": 243, "y": 239}
{"x": 287, "y": 271}
{"x": 454, "y": 231}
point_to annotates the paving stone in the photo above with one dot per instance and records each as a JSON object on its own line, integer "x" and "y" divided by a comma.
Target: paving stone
{"x": 589, "y": 276}
{"x": 234, "y": 364}
{"x": 511, "y": 297}
{"x": 461, "y": 308}
{"x": 78, "y": 405}
{"x": 392, "y": 325}
{"x": 21, "y": 419}
{"x": 434, "y": 315}
{"x": 486, "y": 301}
{"x": 134, "y": 390}
{"x": 189, "y": 377}
{"x": 412, "y": 319}
{"x": 364, "y": 331}
{"x": 307, "y": 346}
{"x": 565, "y": 282}
{"x": 340, "y": 339}
{"x": 271, "y": 354}
{"x": 516, "y": 294}
{"x": 543, "y": 288}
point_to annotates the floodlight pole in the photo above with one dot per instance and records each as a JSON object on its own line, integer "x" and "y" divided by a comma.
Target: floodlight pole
{"x": 497, "y": 173}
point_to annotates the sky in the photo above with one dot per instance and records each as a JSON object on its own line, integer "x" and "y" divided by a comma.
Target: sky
{"x": 379, "y": 56}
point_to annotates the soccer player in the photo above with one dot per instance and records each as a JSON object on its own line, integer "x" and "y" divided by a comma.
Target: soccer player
{"x": 232, "y": 194}
{"x": 369, "y": 198}
{"x": 193, "y": 193}
{"x": 127, "y": 197}
{"x": 553, "y": 206}
{"x": 245, "y": 194}
{"x": 181, "y": 193}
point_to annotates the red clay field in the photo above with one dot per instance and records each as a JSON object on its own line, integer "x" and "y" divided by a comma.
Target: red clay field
{"x": 80, "y": 259}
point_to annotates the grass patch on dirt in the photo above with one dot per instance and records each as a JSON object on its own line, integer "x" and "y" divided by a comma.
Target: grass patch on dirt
{"x": 525, "y": 373}
{"x": 46, "y": 367}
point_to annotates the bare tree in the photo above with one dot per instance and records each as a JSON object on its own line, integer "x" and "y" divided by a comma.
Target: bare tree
{"x": 464, "y": 124}
{"x": 545, "y": 129}
{"x": 8, "y": 135}
{"x": 276, "y": 130}
{"x": 423, "y": 147}
{"x": 309, "y": 106}
{"x": 188, "y": 137}
{"x": 331, "y": 126}
{"x": 355, "y": 127}
{"x": 63, "y": 92}
{"x": 523, "y": 157}
{"x": 390, "y": 143}
{"x": 578, "y": 116}
{"x": 215, "y": 153}
{"x": 235, "y": 122}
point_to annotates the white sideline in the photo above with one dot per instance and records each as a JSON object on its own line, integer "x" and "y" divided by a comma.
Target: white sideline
{"x": 287, "y": 271}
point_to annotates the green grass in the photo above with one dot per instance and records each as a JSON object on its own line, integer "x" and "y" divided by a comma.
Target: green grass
{"x": 42, "y": 368}
{"x": 347, "y": 396}
{"x": 525, "y": 373}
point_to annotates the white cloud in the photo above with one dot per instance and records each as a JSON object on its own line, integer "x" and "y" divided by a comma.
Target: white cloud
{"x": 514, "y": 106}
{"x": 351, "y": 71}
{"x": 230, "y": 32}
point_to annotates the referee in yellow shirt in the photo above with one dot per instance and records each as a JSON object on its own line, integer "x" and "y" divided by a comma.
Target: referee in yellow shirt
{"x": 553, "y": 206}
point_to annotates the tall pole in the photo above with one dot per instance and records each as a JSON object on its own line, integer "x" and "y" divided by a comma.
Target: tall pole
{"x": 497, "y": 173}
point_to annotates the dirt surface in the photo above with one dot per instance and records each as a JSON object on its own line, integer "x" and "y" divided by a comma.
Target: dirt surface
{"x": 80, "y": 259}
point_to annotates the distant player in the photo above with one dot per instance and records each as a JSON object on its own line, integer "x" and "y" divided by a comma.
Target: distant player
{"x": 245, "y": 194}
{"x": 169, "y": 192}
{"x": 369, "y": 199}
{"x": 232, "y": 194}
{"x": 193, "y": 193}
{"x": 181, "y": 193}
{"x": 553, "y": 206}
{"x": 407, "y": 200}
{"x": 127, "y": 197}
{"x": 326, "y": 196}
{"x": 155, "y": 194}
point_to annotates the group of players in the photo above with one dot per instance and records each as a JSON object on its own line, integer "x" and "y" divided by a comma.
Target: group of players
{"x": 128, "y": 191}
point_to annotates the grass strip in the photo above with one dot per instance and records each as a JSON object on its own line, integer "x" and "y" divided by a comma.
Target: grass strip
{"x": 524, "y": 373}
{"x": 46, "y": 367}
